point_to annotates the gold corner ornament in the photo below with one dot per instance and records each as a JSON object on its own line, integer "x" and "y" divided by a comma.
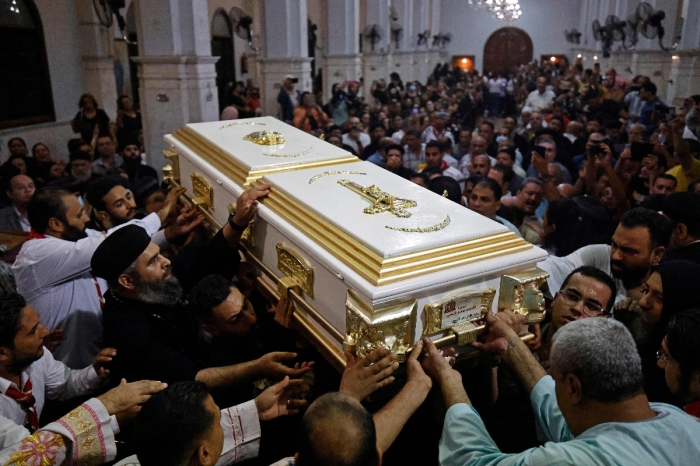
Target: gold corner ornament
{"x": 368, "y": 328}
{"x": 457, "y": 310}
{"x": 202, "y": 190}
{"x": 520, "y": 292}
{"x": 172, "y": 170}
{"x": 307, "y": 151}
{"x": 334, "y": 172}
{"x": 265, "y": 138}
{"x": 437, "y": 227}
{"x": 242, "y": 123}
{"x": 381, "y": 201}
{"x": 444, "y": 193}
{"x": 296, "y": 267}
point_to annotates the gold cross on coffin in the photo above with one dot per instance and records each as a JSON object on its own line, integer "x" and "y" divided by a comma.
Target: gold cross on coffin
{"x": 381, "y": 201}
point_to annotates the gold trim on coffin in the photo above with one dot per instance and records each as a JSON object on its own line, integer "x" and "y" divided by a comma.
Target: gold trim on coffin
{"x": 382, "y": 271}
{"x": 233, "y": 169}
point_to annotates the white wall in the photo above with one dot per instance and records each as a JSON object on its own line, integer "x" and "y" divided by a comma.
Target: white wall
{"x": 544, "y": 20}
{"x": 60, "y": 33}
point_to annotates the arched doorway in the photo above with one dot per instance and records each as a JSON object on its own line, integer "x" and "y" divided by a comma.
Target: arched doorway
{"x": 506, "y": 48}
{"x": 222, "y": 46}
{"x": 25, "y": 85}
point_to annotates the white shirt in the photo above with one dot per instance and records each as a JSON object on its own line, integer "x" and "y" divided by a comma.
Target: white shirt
{"x": 412, "y": 159}
{"x": 466, "y": 162}
{"x": 26, "y": 227}
{"x": 596, "y": 255}
{"x": 430, "y": 134}
{"x": 50, "y": 378}
{"x": 241, "y": 435}
{"x": 452, "y": 172}
{"x": 537, "y": 101}
{"x": 54, "y": 276}
{"x": 496, "y": 85}
{"x": 398, "y": 136}
{"x": 364, "y": 139}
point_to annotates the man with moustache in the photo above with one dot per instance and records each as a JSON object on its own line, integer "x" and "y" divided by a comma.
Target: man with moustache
{"x": 639, "y": 243}
{"x": 52, "y": 270}
{"x": 81, "y": 174}
{"x": 145, "y": 318}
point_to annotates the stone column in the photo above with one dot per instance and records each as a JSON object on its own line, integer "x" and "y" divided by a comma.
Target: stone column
{"x": 176, "y": 70}
{"x": 343, "y": 61}
{"x": 377, "y": 64}
{"x": 285, "y": 45}
{"x": 97, "y": 57}
{"x": 421, "y": 23}
{"x": 404, "y": 57}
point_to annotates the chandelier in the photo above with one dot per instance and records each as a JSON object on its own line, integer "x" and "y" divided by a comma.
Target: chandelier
{"x": 505, "y": 10}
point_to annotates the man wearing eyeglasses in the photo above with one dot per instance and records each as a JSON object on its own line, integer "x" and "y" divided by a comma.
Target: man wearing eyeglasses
{"x": 586, "y": 292}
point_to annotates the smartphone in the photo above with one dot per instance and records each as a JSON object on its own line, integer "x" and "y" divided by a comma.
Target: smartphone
{"x": 541, "y": 150}
{"x": 640, "y": 150}
{"x": 295, "y": 80}
{"x": 415, "y": 110}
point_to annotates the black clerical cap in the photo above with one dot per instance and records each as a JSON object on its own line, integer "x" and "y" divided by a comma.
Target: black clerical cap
{"x": 118, "y": 251}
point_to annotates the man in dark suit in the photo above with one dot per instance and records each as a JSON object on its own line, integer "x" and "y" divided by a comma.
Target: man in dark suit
{"x": 14, "y": 218}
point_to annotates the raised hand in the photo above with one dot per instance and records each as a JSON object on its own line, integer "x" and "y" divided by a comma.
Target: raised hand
{"x": 284, "y": 312}
{"x": 278, "y": 400}
{"x": 170, "y": 202}
{"x": 501, "y": 328}
{"x": 128, "y": 395}
{"x": 54, "y": 338}
{"x": 271, "y": 365}
{"x": 362, "y": 377}
{"x": 101, "y": 359}
{"x": 247, "y": 204}
{"x": 187, "y": 221}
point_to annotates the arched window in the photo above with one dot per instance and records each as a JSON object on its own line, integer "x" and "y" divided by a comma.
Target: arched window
{"x": 25, "y": 86}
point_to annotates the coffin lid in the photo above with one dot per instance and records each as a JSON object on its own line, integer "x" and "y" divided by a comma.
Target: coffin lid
{"x": 332, "y": 215}
{"x": 222, "y": 144}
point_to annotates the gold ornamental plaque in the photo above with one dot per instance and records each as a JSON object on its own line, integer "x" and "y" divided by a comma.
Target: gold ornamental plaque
{"x": 520, "y": 292}
{"x": 202, "y": 190}
{"x": 457, "y": 309}
{"x": 296, "y": 267}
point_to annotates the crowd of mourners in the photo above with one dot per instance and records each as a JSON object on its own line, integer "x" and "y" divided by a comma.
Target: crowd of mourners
{"x": 130, "y": 331}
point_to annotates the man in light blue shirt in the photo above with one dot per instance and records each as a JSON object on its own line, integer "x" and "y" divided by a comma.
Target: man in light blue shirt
{"x": 592, "y": 409}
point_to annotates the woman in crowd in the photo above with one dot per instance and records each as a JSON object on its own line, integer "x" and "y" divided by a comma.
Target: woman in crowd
{"x": 90, "y": 120}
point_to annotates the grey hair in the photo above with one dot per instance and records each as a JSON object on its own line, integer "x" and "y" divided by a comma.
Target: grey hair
{"x": 548, "y": 141}
{"x": 602, "y": 354}
{"x": 530, "y": 180}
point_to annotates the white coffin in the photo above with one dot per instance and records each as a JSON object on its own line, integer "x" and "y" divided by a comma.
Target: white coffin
{"x": 375, "y": 279}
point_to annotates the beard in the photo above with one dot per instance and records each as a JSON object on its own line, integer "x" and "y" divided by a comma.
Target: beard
{"x": 632, "y": 275}
{"x": 165, "y": 292}
{"x": 81, "y": 175}
{"x": 18, "y": 365}
{"x": 73, "y": 233}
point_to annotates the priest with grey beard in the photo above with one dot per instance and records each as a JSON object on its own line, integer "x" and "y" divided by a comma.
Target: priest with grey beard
{"x": 144, "y": 315}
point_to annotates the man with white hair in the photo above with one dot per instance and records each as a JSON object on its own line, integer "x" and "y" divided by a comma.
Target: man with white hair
{"x": 592, "y": 409}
